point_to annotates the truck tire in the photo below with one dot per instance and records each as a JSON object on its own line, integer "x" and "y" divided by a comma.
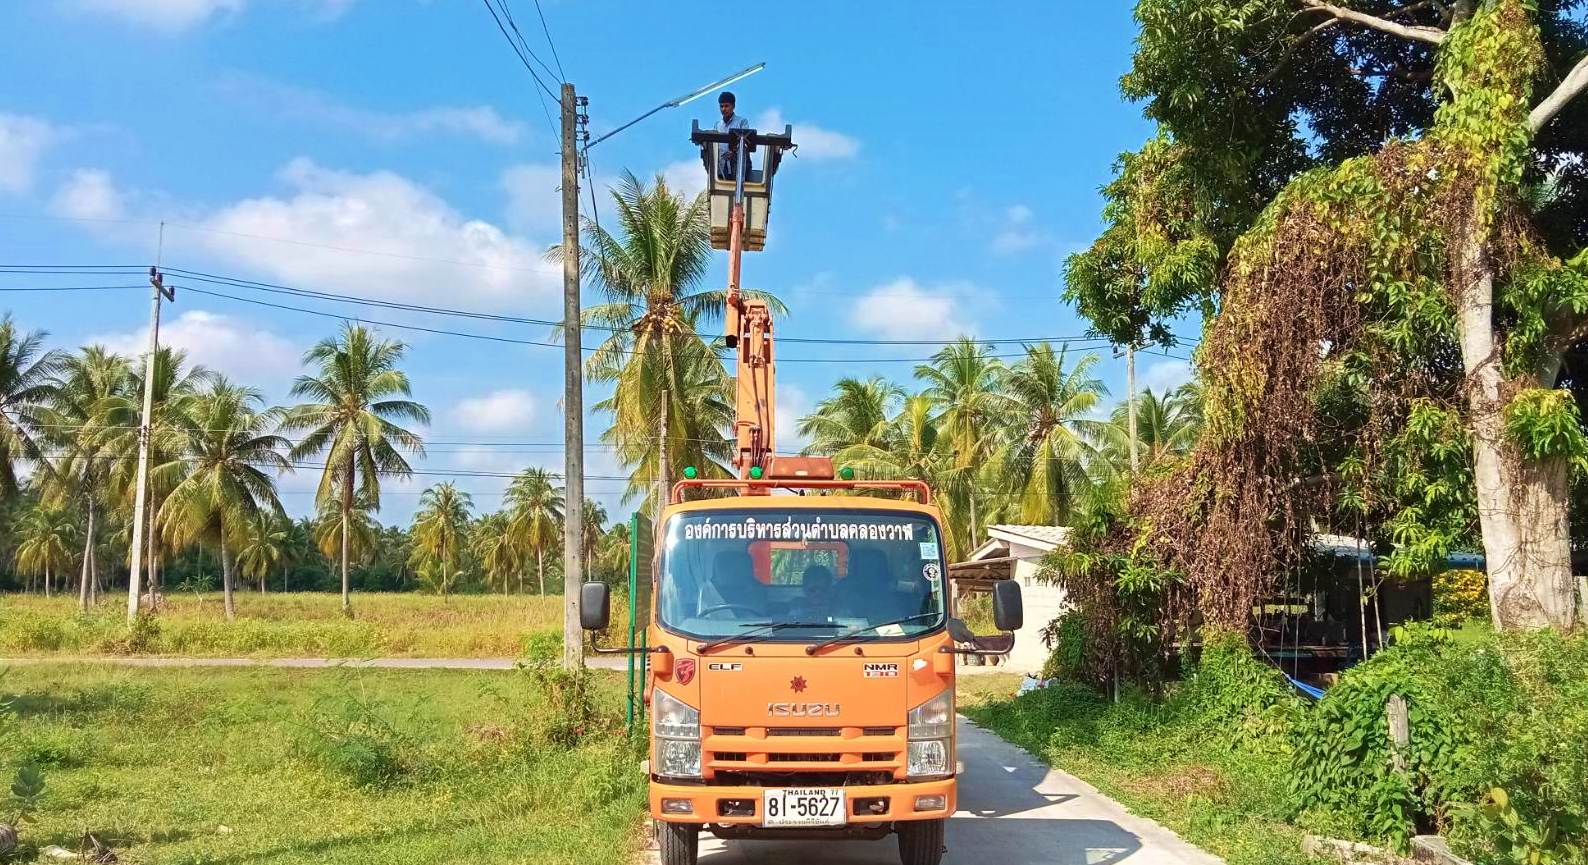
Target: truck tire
{"x": 679, "y": 842}
{"x": 921, "y": 841}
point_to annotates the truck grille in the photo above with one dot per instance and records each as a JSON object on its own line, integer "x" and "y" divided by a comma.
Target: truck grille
{"x": 833, "y": 751}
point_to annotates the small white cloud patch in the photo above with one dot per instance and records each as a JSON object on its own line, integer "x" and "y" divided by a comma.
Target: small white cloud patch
{"x": 499, "y": 411}
{"x": 22, "y": 143}
{"x": 814, "y": 142}
{"x": 88, "y": 194}
{"x": 904, "y": 309}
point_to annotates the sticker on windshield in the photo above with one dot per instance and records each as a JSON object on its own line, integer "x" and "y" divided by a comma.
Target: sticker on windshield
{"x": 881, "y": 671}
{"x": 890, "y": 631}
{"x": 932, "y": 571}
{"x": 929, "y": 549}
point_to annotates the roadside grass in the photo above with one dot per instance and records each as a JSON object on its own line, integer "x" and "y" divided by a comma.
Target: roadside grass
{"x": 303, "y": 624}
{"x": 279, "y": 767}
{"x": 1159, "y": 761}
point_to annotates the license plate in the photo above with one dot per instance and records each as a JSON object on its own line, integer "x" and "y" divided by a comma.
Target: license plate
{"x": 804, "y": 806}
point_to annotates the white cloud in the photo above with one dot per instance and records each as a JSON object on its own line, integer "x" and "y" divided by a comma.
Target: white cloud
{"x": 1017, "y": 233}
{"x": 686, "y": 176}
{"x": 1166, "y": 375}
{"x": 167, "y": 16}
{"x": 88, "y": 194}
{"x": 175, "y": 16}
{"x": 233, "y": 346}
{"x": 814, "y": 141}
{"x": 378, "y": 233}
{"x": 904, "y": 309}
{"x": 479, "y": 121}
{"x": 496, "y": 412}
{"x": 22, "y": 142}
{"x": 792, "y": 404}
{"x": 534, "y": 197}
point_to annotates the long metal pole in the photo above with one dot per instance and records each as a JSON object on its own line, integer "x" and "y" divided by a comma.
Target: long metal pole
{"x": 140, "y": 498}
{"x": 573, "y": 386}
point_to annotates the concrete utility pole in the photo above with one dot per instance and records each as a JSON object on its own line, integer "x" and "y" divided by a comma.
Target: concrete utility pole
{"x": 1130, "y": 404}
{"x": 141, "y": 496}
{"x": 573, "y": 390}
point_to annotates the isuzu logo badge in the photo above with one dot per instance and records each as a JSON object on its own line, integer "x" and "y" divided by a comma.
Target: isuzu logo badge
{"x": 802, "y": 710}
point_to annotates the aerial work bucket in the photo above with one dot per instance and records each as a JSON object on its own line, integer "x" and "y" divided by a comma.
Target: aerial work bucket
{"x": 722, "y": 154}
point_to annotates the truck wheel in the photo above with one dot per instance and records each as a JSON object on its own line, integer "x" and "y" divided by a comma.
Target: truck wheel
{"x": 680, "y": 842}
{"x": 921, "y": 841}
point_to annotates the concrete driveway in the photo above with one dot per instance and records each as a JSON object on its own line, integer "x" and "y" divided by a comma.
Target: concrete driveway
{"x": 1013, "y": 811}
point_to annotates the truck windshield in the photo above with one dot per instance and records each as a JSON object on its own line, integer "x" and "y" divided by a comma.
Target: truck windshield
{"x": 810, "y": 573}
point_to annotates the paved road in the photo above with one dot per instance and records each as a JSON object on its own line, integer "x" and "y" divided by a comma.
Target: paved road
{"x": 1013, "y": 811}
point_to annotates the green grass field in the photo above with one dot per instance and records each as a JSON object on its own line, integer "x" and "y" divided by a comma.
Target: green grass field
{"x": 191, "y": 766}
{"x": 288, "y": 625}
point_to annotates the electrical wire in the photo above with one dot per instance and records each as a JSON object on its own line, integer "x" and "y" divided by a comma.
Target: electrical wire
{"x": 551, "y": 125}
{"x": 552, "y": 44}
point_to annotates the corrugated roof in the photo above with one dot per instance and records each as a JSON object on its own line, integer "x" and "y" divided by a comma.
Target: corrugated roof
{"x": 1044, "y": 537}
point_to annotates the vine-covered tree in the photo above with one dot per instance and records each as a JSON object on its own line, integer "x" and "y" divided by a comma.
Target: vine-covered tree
{"x": 1387, "y": 203}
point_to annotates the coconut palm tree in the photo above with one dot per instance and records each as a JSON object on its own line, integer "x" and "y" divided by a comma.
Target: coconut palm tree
{"x": 176, "y": 389}
{"x": 492, "y": 546}
{"x": 1165, "y": 425}
{"x": 534, "y": 504}
{"x": 695, "y": 394}
{"x": 965, "y": 382}
{"x": 1054, "y": 445}
{"x": 356, "y": 397}
{"x": 362, "y": 532}
{"x": 45, "y": 534}
{"x": 27, "y": 386}
{"x": 226, "y": 483}
{"x": 664, "y": 372}
{"x": 854, "y": 423}
{"x": 80, "y": 472}
{"x": 595, "y": 518}
{"x": 439, "y": 535}
{"x": 265, "y": 547}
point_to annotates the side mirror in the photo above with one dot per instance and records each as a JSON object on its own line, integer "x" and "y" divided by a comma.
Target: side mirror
{"x": 1008, "y": 610}
{"x": 595, "y": 606}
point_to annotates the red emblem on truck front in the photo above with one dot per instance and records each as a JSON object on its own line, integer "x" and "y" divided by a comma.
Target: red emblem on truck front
{"x": 685, "y": 670}
{"x": 797, "y": 684}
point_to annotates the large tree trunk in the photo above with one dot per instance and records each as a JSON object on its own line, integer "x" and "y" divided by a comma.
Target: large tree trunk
{"x": 1522, "y": 505}
{"x": 46, "y": 581}
{"x": 540, "y": 569}
{"x": 347, "y": 510}
{"x": 88, "y": 561}
{"x": 226, "y": 578}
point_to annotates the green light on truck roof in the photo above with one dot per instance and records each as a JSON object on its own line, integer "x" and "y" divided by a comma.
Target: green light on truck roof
{"x": 756, "y": 472}
{"x": 691, "y": 472}
{"x": 847, "y": 473}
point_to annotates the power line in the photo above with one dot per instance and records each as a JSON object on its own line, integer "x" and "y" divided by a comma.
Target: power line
{"x": 552, "y": 127}
{"x": 547, "y": 31}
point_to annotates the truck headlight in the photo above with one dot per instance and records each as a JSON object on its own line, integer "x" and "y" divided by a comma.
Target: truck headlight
{"x": 928, "y": 757}
{"x": 933, "y": 719}
{"x": 677, "y": 729}
{"x": 678, "y": 758}
{"x": 674, "y": 719}
{"x": 931, "y": 729}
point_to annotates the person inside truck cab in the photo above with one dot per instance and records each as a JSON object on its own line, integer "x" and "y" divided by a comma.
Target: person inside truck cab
{"x": 815, "y": 602}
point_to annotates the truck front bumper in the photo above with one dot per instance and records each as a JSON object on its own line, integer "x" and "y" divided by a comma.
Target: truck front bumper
{"x": 741, "y": 805}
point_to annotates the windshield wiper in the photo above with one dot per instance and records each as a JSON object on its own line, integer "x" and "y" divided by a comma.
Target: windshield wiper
{"x": 855, "y": 632}
{"x": 761, "y": 629}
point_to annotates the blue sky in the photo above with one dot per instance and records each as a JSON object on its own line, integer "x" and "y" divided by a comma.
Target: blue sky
{"x": 395, "y": 148}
